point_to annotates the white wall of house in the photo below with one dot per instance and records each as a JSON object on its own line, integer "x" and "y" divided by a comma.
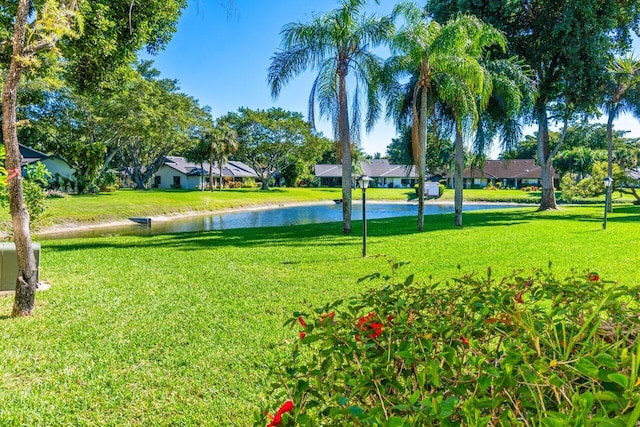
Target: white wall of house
{"x": 58, "y": 166}
{"x": 395, "y": 182}
{"x": 166, "y": 176}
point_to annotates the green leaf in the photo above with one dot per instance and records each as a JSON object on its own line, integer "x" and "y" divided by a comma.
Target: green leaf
{"x": 303, "y": 420}
{"x": 414, "y": 397}
{"x": 447, "y": 406}
{"x": 395, "y": 422}
{"x": 606, "y": 396}
{"x": 635, "y": 415}
{"x": 606, "y": 360}
{"x": 621, "y": 380}
{"x": 356, "y": 411}
{"x": 555, "y": 419}
{"x": 586, "y": 367}
{"x": 342, "y": 401}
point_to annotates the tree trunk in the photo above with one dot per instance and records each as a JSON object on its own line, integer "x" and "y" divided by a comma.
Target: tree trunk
{"x": 609, "y": 190}
{"x": 201, "y": 176}
{"x": 345, "y": 144}
{"x": 265, "y": 182}
{"x": 220, "y": 161}
{"x": 422, "y": 155}
{"x": 26, "y": 283}
{"x": 459, "y": 180}
{"x": 211, "y": 174}
{"x": 548, "y": 200}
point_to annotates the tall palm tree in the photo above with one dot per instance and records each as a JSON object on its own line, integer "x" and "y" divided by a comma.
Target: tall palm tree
{"x": 499, "y": 101}
{"x": 224, "y": 143}
{"x": 199, "y": 152}
{"x": 440, "y": 67}
{"x": 623, "y": 96}
{"x": 336, "y": 44}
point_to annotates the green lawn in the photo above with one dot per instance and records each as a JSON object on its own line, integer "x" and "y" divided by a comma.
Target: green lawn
{"x": 180, "y": 329}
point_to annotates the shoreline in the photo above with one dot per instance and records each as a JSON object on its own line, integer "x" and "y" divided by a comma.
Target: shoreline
{"x": 80, "y": 226}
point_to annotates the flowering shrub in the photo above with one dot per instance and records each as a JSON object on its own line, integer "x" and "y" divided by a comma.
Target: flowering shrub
{"x": 472, "y": 351}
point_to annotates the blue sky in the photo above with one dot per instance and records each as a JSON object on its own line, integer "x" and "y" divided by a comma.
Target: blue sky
{"x": 222, "y": 59}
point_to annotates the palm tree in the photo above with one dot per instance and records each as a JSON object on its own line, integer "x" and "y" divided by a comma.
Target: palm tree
{"x": 499, "y": 101}
{"x": 337, "y": 44}
{"x": 622, "y": 97}
{"x": 224, "y": 142}
{"x": 441, "y": 68}
{"x": 199, "y": 153}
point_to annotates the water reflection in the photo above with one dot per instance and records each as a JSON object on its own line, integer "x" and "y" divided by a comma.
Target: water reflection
{"x": 269, "y": 217}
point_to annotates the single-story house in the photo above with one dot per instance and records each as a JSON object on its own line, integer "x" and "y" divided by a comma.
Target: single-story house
{"x": 55, "y": 164}
{"x": 516, "y": 173}
{"x": 177, "y": 172}
{"x": 383, "y": 173}
{"x": 633, "y": 174}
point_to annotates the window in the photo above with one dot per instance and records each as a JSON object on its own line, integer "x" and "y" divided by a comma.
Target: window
{"x": 157, "y": 180}
{"x": 176, "y": 181}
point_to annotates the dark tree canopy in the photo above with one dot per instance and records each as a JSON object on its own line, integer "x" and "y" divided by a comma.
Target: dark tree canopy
{"x": 567, "y": 44}
{"x": 113, "y": 32}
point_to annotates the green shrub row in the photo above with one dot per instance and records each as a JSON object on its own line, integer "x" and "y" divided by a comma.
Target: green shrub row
{"x": 474, "y": 351}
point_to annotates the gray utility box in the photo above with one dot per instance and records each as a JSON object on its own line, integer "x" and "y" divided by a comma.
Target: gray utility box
{"x": 9, "y": 265}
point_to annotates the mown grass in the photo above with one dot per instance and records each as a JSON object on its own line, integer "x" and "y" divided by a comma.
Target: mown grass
{"x": 180, "y": 329}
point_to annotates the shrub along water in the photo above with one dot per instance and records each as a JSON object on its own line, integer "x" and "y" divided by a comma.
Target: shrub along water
{"x": 521, "y": 350}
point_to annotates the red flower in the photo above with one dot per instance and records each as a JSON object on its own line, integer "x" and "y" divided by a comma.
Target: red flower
{"x": 377, "y": 330}
{"x": 277, "y": 418}
{"x": 365, "y": 324}
{"x": 302, "y": 322}
{"x": 593, "y": 277}
{"x": 464, "y": 340}
{"x": 302, "y": 335}
{"x": 519, "y": 298}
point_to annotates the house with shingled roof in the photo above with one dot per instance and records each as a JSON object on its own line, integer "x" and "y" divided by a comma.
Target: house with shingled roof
{"x": 56, "y": 165}
{"x": 516, "y": 173}
{"x": 177, "y": 172}
{"x": 383, "y": 173}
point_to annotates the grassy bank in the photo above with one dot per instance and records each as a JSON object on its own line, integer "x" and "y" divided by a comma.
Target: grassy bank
{"x": 180, "y": 329}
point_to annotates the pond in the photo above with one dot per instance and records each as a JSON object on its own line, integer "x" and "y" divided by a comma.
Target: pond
{"x": 268, "y": 217}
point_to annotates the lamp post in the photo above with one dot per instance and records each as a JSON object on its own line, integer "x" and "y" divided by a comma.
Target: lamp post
{"x": 364, "y": 184}
{"x": 607, "y": 196}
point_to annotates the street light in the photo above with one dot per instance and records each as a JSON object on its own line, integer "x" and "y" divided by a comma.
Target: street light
{"x": 608, "y": 181}
{"x": 364, "y": 181}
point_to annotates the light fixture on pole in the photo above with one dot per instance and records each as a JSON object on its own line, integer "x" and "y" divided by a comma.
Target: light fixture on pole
{"x": 364, "y": 181}
{"x": 608, "y": 181}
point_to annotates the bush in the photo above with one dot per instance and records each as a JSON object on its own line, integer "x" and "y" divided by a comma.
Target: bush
{"x": 108, "y": 182}
{"x": 249, "y": 183}
{"x": 473, "y": 351}
{"x": 34, "y": 194}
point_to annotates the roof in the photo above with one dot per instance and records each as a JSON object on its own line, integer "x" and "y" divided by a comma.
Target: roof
{"x": 634, "y": 173}
{"x": 505, "y": 169}
{"x": 376, "y": 168}
{"x": 232, "y": 168}
{"x": 29, "y": 155}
